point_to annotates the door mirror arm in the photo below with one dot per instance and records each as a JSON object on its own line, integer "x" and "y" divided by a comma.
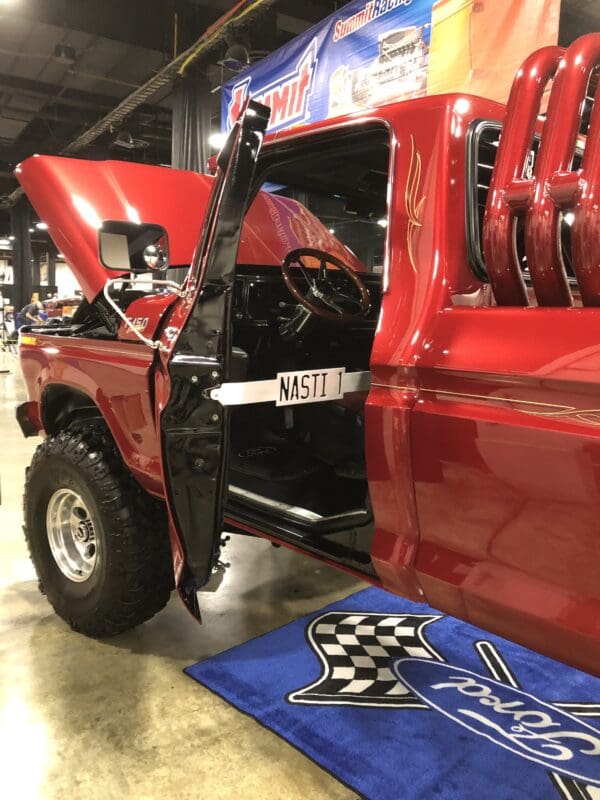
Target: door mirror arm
{"x": 152, "y": 343}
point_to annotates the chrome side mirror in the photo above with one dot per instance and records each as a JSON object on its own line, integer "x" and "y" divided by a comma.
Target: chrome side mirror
{"x": 131, "y": 247}
{"x": 155, "y": 258}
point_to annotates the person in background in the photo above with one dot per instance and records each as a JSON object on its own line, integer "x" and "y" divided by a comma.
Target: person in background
{"x": 29, "y": 315}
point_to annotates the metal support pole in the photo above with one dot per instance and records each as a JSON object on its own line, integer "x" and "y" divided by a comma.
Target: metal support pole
{"x": 51, "y": 271}
{"x": 191, "y": 129}
{"x": 20, "y": 220}
{"x": 35, "y": 271}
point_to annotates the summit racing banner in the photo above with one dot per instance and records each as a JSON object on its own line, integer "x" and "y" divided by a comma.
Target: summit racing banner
{"x": 368, "y": 53}
{"x": 373, "y": 52}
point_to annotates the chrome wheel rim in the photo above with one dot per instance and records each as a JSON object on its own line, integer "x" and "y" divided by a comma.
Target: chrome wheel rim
{"x": 71, "y": 535}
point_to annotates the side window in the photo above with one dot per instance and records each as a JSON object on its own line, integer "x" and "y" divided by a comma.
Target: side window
{"x": 330, "y": 193}
{"x": 358, "y": 220}
{"x": 482, "y": 149}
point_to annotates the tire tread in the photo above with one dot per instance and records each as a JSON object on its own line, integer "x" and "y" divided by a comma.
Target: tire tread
{"x": 140, "y": 561}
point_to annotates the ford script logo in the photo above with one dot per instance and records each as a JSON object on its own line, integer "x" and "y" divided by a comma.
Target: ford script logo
{"x": 508, "y": 717}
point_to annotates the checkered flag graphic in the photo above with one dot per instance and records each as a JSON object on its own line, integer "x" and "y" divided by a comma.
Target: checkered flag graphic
{"x": 356, "y": 651}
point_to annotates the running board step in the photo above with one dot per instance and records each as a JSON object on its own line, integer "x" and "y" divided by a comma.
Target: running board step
{"x": 356, "y": 516}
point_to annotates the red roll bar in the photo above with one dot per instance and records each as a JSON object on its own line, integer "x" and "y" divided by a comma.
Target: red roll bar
{"x": 585, "y": 232}
{"x": 554, "y": 188}
{"x": 509, "y": 191}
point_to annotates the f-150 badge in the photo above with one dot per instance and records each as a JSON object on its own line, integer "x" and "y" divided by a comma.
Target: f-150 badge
{"x": 139, "y": 323}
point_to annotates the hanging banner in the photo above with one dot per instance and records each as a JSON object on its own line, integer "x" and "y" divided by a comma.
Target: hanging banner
{"x": 373, "y": 52}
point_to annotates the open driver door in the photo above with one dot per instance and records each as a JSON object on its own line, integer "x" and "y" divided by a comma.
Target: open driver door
{"x": 195, "y": 357}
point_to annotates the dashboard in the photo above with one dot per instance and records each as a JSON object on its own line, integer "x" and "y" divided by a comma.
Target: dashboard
{"x": 261, "y": 298}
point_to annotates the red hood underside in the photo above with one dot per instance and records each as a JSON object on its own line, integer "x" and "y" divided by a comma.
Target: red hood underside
{"x": 74, "y": 197}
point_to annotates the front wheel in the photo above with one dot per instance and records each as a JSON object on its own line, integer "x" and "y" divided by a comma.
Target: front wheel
{"x": 98, "y": 542}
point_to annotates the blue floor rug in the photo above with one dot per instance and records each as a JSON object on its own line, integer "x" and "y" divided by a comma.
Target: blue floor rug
{"x": 398, "y": 701}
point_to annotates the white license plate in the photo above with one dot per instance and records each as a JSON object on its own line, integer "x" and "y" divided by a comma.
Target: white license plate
{"x": 312, "y": 386}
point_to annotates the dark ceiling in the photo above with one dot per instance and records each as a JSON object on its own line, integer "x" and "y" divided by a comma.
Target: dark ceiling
{"x": 47, "y": 102}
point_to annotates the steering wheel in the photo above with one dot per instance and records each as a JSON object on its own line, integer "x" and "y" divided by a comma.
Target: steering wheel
{"x": 323, "y": 298}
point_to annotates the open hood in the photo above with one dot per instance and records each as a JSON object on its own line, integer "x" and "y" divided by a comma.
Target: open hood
{"x": 74, "y": 197}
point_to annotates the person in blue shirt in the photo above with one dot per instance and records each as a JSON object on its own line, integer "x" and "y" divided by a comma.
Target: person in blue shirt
{"x": 31, "y": 314}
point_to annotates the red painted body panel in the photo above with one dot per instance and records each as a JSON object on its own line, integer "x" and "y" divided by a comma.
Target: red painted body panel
{"x": 115, "y": 375}
{"x": 483, "y": 421}
{"x": 508, "y": 495}
{"x": 146, "y": 314}
{"x": 428, "y": 270}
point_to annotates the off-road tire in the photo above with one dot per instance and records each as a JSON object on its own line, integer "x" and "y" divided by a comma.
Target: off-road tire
{"x": 132, "y": 577}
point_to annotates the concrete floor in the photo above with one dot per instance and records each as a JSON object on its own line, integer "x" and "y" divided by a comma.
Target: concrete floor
{"x": 87, "y": 719}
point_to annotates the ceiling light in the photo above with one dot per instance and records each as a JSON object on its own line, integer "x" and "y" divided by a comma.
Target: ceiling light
{"x": 59, "y": 255}
{"x": 331, "y": 230}
{"x": 31, "y": 230}
{"x": 217, "y": 140}
{"x": 4, "y": 243}
{"x": 41, "y": 226}
{"x": 236, "y": 58}
{"x": 382, "y": 222}
{"x": 65, "y": 54}
{"x": 569, "y": 217}
{"x": 11, "y": 238}
{"x": 126, "y": 141}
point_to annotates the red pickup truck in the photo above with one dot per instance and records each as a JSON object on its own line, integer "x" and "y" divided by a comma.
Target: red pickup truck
{"x": 383, "y": 352}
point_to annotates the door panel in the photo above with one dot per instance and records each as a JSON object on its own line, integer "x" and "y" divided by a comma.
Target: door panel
{"x": 195, "y": 358}
{"x": 506, "y": 462}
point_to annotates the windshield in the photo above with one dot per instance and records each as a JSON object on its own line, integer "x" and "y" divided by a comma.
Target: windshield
{"x": 329, "y": 193}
